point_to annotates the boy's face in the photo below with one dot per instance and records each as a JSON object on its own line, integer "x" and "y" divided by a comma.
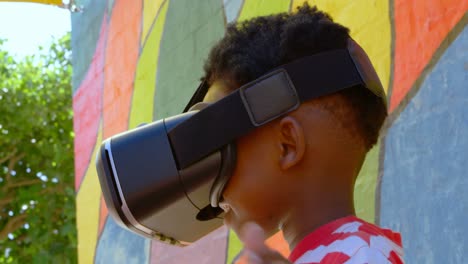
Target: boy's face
{"x": 256, "y": 190}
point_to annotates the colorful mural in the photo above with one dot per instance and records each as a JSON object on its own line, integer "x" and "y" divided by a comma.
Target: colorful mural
{"x": 139, "y": 60}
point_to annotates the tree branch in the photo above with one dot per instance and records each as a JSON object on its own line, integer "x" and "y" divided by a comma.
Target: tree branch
{"x": 13, "y": 223}
{"x": 6, "y": 200}
{"x": 24, "y": 183}
{"x": 8, "y": 156}
{"x": 15, "y": 159}
{"x": 11, "y": 165}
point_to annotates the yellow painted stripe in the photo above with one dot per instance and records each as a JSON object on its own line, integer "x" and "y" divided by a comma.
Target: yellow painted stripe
{"x": 87, "y": 210}
{"x": 253, "y": 8}
{"x": 150, "y": 11}
{"x": 145, "y": 80}
{"x": 366, "y": 184}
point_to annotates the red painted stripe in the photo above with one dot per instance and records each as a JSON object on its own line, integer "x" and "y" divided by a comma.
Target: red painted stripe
{"x": 420, "y": 28}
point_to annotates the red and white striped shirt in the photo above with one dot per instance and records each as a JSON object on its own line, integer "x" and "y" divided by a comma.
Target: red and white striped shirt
{"x": 349, "y": 240}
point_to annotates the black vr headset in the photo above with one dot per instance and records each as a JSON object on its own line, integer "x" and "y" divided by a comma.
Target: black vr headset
{"x": 164, "y": 180}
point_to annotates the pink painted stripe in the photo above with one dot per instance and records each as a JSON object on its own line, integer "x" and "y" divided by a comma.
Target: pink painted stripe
{"x": 87, "y": 107}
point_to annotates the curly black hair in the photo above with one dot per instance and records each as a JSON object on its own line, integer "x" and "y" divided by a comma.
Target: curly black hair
{"x": 253, "y": 47}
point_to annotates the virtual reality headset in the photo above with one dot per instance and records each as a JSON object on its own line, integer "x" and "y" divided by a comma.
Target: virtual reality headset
{"x": 164, "y": 180}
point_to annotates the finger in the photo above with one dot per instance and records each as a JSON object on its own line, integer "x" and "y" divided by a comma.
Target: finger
{"x": 252, "y": 257}
{"x": 253, "y": 237}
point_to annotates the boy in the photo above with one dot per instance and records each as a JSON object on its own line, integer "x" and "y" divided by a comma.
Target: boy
{"x": 297, "y": 173}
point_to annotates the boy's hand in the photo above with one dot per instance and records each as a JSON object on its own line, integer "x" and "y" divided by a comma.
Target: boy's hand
{"x": 255, "y": 251}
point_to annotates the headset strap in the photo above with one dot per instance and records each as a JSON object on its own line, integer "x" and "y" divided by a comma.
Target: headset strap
{"x": 267, "y": 98}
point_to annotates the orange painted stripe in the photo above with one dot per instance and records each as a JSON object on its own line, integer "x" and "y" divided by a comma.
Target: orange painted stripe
{"x": 420, "y": 28}
{"x": 123, "y": 45}
{"x": 276, "y": 242}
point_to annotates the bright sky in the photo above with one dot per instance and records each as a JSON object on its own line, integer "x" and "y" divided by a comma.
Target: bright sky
{"x": 26, "y": 26}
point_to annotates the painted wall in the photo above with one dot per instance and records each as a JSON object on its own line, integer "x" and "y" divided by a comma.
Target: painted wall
{"x": 140, "y": 60}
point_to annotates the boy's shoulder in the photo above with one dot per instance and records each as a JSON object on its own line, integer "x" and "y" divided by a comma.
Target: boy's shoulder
{"x": 349, "y": 240}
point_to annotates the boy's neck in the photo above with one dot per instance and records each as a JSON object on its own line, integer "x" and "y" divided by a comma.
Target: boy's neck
{"x": 309, "y": 216}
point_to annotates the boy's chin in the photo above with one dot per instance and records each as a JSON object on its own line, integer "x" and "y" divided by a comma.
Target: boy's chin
{"x": 231, "y": 222}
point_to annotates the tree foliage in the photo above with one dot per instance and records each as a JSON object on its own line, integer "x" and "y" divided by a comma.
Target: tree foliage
{"x": 37, "y": 209}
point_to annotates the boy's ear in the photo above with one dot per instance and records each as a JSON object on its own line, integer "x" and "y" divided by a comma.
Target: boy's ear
{"x": 292, "y": 142}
